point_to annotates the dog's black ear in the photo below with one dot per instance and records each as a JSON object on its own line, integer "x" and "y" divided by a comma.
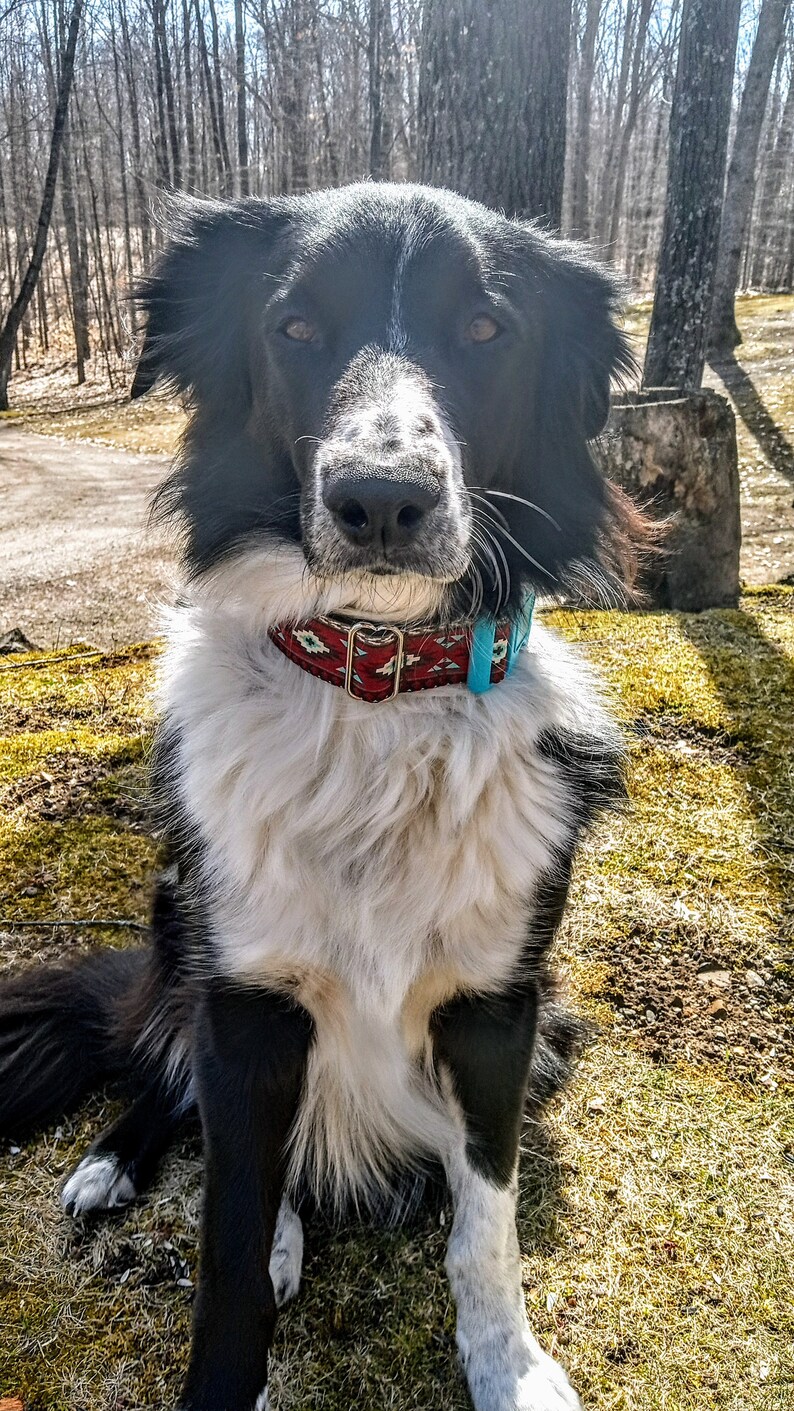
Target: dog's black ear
{"x": 196, "y": 300}
{"x": 584, "y": 347}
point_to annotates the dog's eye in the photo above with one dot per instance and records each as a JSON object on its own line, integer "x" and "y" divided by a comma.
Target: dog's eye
{"x": 299, "y": 330}
{"x": 483, "y": 329}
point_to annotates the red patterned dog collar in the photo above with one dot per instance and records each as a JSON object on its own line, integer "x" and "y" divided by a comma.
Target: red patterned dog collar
{"x": 373, "y": 662}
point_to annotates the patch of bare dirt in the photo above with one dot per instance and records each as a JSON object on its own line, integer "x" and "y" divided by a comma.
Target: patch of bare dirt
{"x": 77, "y": 785}
{"x": 679, "y": 1001}
{"x": 680, "y": 998}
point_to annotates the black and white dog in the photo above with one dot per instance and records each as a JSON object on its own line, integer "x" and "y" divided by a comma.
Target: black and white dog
{"x": 373, "y": 784}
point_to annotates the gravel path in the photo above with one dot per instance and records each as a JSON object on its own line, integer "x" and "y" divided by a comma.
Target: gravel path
{"x": 78, "y": 560}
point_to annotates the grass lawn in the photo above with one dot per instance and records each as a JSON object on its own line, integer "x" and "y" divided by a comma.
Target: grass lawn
{"x": 657, "y": 1200}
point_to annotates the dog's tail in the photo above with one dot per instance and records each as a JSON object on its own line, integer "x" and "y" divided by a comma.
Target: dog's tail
{"x": 60, "y": 1036}
{"x": 561, "y": 1038}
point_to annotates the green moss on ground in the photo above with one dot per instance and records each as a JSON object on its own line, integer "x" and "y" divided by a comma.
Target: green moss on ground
{"x": 656, "y": 1216}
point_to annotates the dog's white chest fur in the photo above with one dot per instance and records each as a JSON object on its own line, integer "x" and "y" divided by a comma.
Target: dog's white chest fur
{"x": 373, "y": 860}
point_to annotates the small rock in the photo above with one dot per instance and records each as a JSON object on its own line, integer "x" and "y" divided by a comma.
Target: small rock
{"x": 596, "y": 1105}
{"x": 717, "y": 1009}
{"x": 16, "y": 641}
{"x": 710, "y": 973}
{"x": 753, "y": 978}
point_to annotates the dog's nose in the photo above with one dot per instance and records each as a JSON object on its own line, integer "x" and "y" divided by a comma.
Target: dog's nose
{"x": 380, "y": 510}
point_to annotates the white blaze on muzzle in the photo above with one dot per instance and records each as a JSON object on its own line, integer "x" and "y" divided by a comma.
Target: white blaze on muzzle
{"x": 388, "y": 478}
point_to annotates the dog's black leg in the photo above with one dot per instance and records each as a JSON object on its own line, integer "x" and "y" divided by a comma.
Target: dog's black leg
{"x": 484, "y": 1047}
{"x": 249, "y": 1064}
{"x": 122, "y": 1162}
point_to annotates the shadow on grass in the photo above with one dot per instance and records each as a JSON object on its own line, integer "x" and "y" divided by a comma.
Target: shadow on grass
{"x": 755, "y": 680}
{"x": 748, "y": 403}
{"x": 374, "y": 1323}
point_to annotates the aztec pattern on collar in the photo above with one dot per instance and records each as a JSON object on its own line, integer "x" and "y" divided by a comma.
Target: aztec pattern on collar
{"x": 374, "y": 663}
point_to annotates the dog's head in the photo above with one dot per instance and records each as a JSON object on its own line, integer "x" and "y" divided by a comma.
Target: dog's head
{"x": 396, "y": 379}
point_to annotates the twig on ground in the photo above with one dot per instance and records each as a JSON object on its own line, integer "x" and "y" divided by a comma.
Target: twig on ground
{"x": 48, "y": 661}
{"x": 13, "y": 924}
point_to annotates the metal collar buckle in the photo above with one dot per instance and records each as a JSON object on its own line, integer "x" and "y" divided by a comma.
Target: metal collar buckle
{"x": 399, "y": 654}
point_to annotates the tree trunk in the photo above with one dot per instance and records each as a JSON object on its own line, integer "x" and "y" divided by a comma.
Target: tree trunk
{"x": 160, "y": 133}
{"x": 221, "y": 156}
{"x": 629, "y": 124}
{"x": 190, "y": 120}
{"x": 615, "y": 118}
{"x": 741, "y": 173}
{"x": 135, "y": 126}
{"x": 375, "y": 64}
{"x": 78, "y": 269}
{"x": 492, "y": 102}
{"x": 678, "y": 453}
{"x": 125, "y": 199}
{"x": 580, "y": 184}
{"x": 242, "y": 120}
{"x": 329, "y": 141}
{"x": 698, "y": 146}
{"x": 168, "y": 83}
{"x": 295, "y": 99}
{"x": 27, "y": 288}
{"x": 774, "y": 176}
{"x": 216, "y": 65}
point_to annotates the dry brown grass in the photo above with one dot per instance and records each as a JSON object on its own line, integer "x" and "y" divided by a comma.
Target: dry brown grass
{"x": 47, "y": 400}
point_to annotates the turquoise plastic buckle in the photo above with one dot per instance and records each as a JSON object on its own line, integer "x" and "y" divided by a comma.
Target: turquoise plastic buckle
{"x": 520, "y": 630}
{"x": 483, "y": 636}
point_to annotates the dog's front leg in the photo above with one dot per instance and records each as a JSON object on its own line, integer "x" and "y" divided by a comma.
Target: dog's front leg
{"x": 250, "y": 1058}
{"x": 485, "y": 1046}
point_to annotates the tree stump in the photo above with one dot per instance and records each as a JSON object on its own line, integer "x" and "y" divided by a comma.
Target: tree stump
{"x": 675, "y": 452}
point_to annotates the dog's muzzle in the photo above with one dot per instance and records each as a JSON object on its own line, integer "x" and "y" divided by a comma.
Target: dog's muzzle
{"x": 388, "y": 492}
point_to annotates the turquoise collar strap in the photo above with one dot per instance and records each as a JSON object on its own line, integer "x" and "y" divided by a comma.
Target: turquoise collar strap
{"x": 483, "y": 635}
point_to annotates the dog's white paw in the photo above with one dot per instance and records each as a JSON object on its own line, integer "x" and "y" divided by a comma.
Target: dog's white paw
{"x": 529, "y": 1380}
{"x": 286, "y": 1259}
{"x": 546, "y": 1388}
{"x": 98, "y": 1183}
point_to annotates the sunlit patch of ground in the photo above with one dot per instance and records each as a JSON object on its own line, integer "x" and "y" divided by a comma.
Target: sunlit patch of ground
{"x": 657, "y": 1202}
